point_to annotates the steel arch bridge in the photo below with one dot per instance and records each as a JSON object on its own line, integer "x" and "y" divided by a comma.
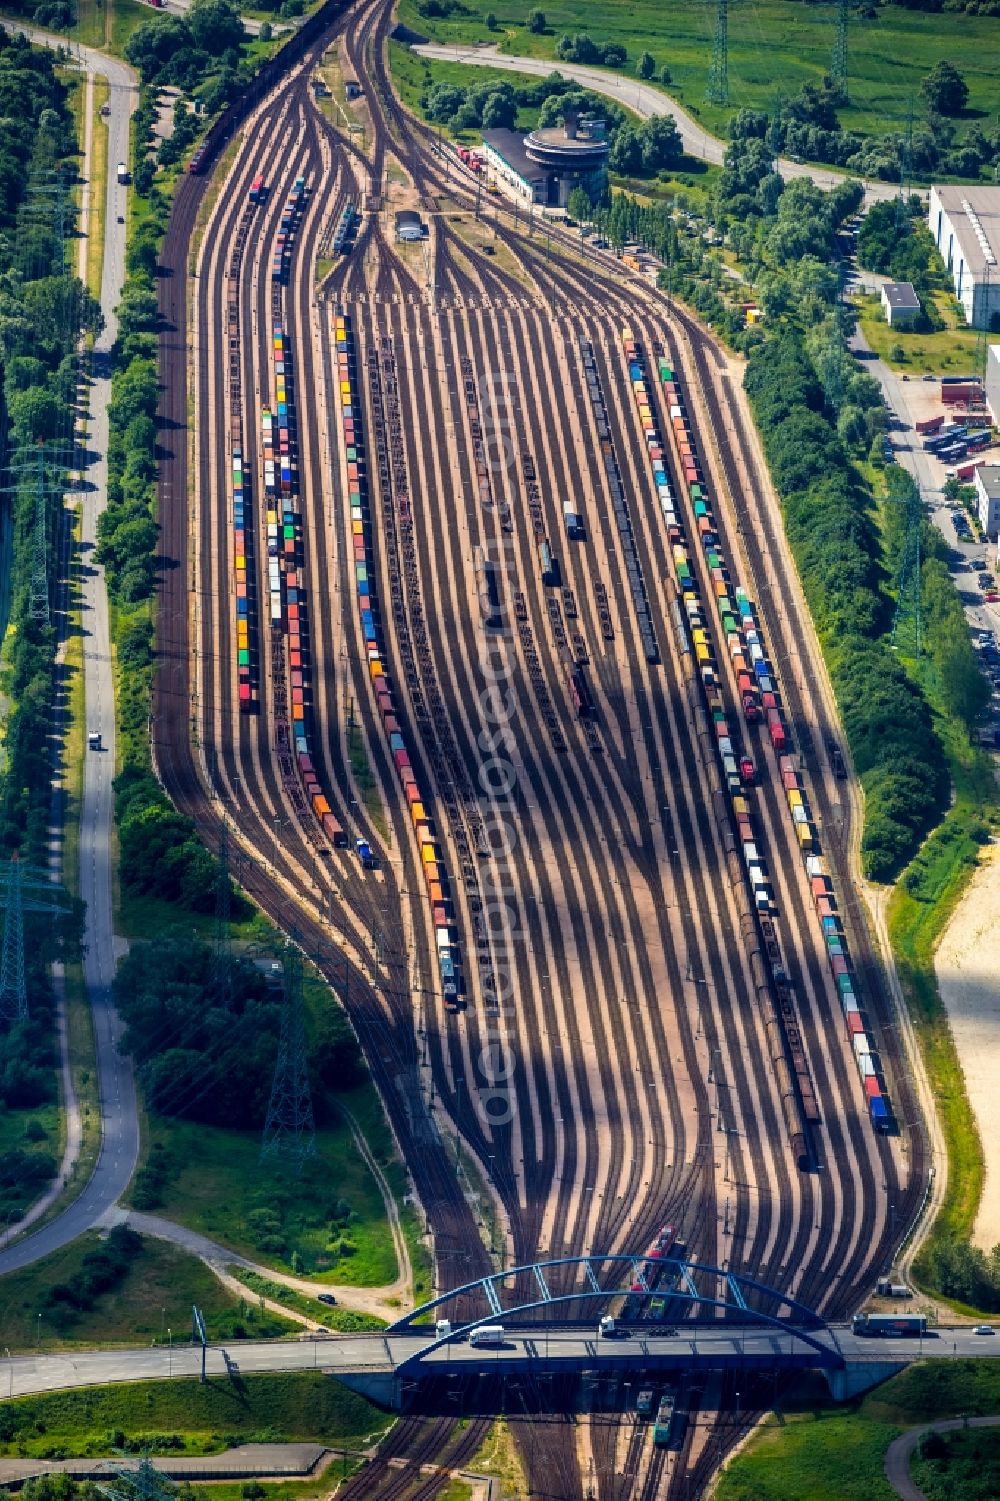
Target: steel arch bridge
{"x": 712, "y": 1292}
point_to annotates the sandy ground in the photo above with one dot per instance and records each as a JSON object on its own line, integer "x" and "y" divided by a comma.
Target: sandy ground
{"x": 968, "y": 971}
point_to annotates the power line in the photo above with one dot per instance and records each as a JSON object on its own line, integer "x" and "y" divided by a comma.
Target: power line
{"x": 717, "y": 91}
{"x": 13, "y": 980}
{"x": 290, "y": 1128}
{"x": 838, "y": 72}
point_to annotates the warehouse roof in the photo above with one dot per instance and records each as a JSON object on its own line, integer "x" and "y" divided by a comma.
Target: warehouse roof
{"x": 975, "y": 219}
{"x": 900, "y": 295}
{"x": 407, "y": 216}
{"x": 510, "y": 145}
{"x": 988, "y": 476}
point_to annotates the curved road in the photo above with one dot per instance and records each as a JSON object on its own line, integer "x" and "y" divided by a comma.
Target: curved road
{"x": 900, "y": 1452}
{"x": 119, "y": 1116}
{"x": 645, "y": 101}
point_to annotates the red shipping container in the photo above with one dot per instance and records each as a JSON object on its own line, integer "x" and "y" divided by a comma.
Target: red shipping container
{"x": 854, "y": 1022}
{"x": 401, "y": 759}
{"x": 412, "y": 792}
{"x": 244, "y": 693}
{"x": 873, "y": 1088}
{"x": 407, "y": 776}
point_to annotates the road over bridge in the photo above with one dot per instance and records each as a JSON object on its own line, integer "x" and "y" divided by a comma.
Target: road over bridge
{"x": 388, "y": 1366}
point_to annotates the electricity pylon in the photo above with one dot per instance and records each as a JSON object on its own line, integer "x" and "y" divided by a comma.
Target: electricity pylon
{"x": 838, "y": 72}
{"x": 13, "y": 983}
{"x": 223, "y": 959}
{"x": 290, "y": 1129}
{"x": 39, "y": 462}
{"x": 144, "y": 1483}
{"x": 717, "y": 91}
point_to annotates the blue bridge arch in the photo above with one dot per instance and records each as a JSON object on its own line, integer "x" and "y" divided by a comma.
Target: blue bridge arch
{"x": 615, "y": 1275}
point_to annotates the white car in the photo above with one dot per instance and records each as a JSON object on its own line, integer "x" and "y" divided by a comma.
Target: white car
{"x": 984, "y": 1329}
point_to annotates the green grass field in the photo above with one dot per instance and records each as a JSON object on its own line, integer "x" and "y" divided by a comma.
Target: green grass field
{"x": 817, "y": 1451}
{"x": 950, "y": 351}
{"x": 303, "y": 1405}
{"x": 218, "y": 1185}
{"x": 155, "y": 1295}
{"x": 774, "y": 47}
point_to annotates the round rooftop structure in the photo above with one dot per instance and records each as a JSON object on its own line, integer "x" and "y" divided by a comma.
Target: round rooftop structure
{"x": 561, "y": 149}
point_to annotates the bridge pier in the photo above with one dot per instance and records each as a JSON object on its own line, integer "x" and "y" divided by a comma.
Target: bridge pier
{"x": 857, "y": 1376}
{"x": 384, "y": 1388}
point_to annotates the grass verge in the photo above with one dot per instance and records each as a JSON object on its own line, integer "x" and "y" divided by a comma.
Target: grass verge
{"x": 98, "y": 188}
{"x": 366, "y": 783}
{"x": 820, "y": 1450}
{"x": 499, "y": 1458}
{"x": 952, "y": 350}
{"x": 198, "y": 1419}
{"x": 155, "y": 1295}
{"x": 329, "y": 1222}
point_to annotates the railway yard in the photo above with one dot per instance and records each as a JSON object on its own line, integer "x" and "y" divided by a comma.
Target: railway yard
{"x": 494, "y": 531}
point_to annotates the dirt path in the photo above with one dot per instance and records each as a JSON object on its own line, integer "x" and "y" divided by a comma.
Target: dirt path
{"x": 968, "y": 971}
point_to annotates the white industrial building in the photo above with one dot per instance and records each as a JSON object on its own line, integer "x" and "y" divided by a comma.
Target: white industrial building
{"x": 900, "y": 303}
{"x": 965, "y": 223}
{"x": 988, "y": 499}
{"x": 992, "y": 382}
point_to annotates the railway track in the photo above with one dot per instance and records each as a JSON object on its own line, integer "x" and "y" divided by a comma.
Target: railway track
{"x": 611, "y": 1070}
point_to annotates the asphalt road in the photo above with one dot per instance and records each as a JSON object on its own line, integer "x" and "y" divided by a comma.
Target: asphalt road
{"x": 900, "y": 1452}
{"x": 119, "y": 1116}
{"x": 909, "y": 453}
{"x": 645, "y": 101}
{"x": 23, "y": 1375}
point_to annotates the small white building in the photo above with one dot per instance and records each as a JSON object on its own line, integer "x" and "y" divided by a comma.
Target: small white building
{"x": 900, "y": 303}
{"x": 965, "y": 224}
{"x": 988, "y": 498}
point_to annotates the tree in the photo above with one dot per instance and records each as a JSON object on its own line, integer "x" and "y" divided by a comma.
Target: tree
{"x": 944, "y": 89}
{"x": 499, "y": 111}
{"x": 491, "y": 21}
{"x": 666, "y": 77}
{"x": 579, "y": 205}
{"x": 536, "y": 22}
{"x": 645, "y": 65}
{"x": 614, "y": 55}
{"x": 625, "y": 156}
{"x": 266, "y": 31}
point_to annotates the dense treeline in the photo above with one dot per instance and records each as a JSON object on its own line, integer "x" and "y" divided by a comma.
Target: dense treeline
{"x": 160, "y": 854}
{"x": 636, "y": 150}
{"x": 43, "y": 310}
{"x": 830, "y": 526}
{"x": 207, "y": 1055}
{"x": 200, "y": 52}
{"x": 807, "y": 127}
{"x": 966, "y": 1273}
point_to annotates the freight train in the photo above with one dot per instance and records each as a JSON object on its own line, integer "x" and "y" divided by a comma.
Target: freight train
{"x": 432, "y": 861}
{"x": 756, "y": 684}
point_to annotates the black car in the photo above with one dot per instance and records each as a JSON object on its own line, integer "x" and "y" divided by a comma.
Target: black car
{"x": 326, "y": 1298}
